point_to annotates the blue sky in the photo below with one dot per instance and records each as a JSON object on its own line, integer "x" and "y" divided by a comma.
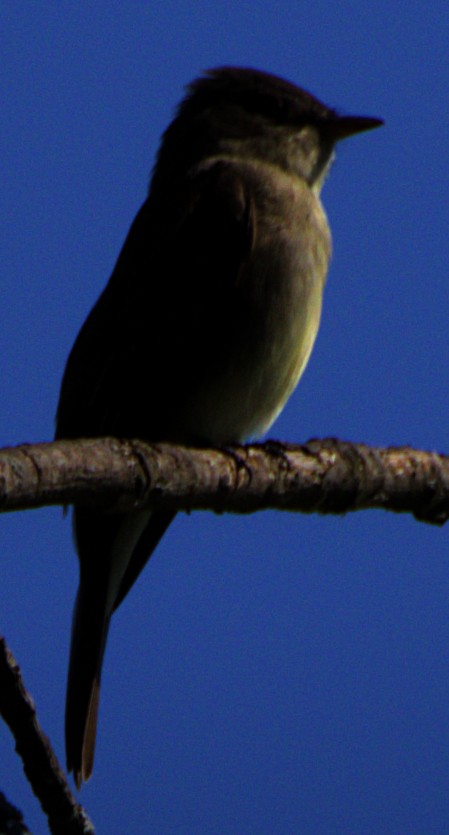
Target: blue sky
{"x": 276, "y": 673}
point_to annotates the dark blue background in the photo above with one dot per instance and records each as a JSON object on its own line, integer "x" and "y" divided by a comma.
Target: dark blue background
{"x": 275, "y": 674}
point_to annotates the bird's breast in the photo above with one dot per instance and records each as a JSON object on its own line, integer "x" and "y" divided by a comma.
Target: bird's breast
{"x": 282, "y": 283}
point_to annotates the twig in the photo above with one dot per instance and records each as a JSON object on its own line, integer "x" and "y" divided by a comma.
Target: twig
{"x": 49, "y": 784}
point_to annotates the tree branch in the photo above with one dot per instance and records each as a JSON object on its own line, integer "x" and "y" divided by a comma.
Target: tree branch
{"x": 11, "y": 818}
{"x": 321, "y": 476}
{"x": 49, "y": 784}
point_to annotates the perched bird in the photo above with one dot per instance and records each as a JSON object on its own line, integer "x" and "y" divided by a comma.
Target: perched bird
{"x": 206, "y": 324}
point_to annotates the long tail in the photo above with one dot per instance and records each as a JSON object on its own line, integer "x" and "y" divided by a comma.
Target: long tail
{"x": 90, "y": 630}
{"x": 109, "y": 548}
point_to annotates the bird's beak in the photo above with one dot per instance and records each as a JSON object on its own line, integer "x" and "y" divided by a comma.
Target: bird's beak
{"x": 342, "y": 126}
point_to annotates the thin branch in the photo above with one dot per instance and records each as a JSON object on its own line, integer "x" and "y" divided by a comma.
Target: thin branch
{"x": 11, "y": 818}
{"x": 49, "y": 784}
{"x": 321, "y": 476}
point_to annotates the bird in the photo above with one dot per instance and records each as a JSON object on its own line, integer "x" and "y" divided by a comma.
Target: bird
{"x": 206, "y": 324}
